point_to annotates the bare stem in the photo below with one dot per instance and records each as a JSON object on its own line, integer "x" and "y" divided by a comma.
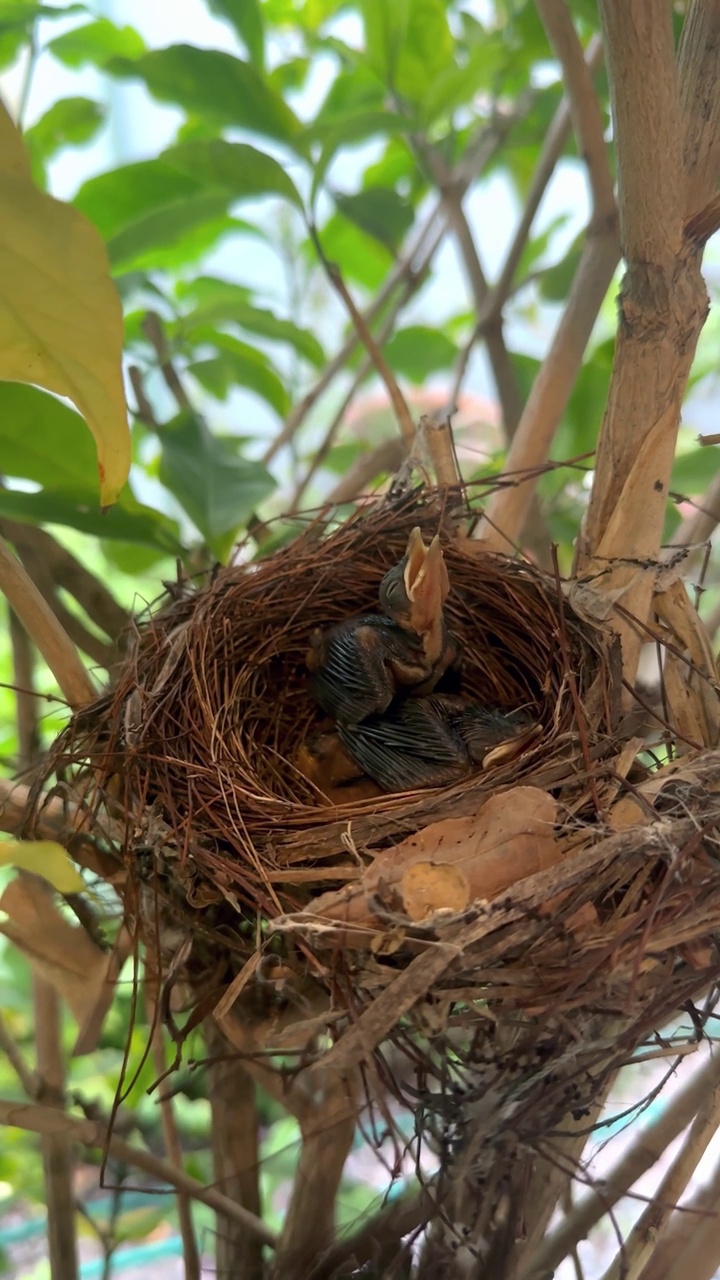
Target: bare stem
{"x": 382, "y": 368}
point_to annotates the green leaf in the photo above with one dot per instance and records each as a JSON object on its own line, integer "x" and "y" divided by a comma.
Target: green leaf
{"x": 240, "y": 365}
{"x": 409, "y": 44}
{"x": 246, "y": 17}
{"x": 120, "y": 197}
{"x": 380, "y": 212}
{"x": 222, "y": 302}
{"x": 213, "y": 84}
{"x": 218, "y": 488}
{"x": 359, "y": 256}
{"x": 95, "y": 43}
{"x": 555, "y": 282}
{"x": 43, "y": 858}
{"x": 234, "y": 167}
{"x": 132, "y": 558}
{"x": 580, "y": 424}
{"x": 43, "y": 440}
{"x": 126, "y": 521}
{"x": 693, "y": 470}
{"x": 17, "y": 18}
{"x": 418, "y": 351}
{"x": 61, "y": 324}
{"x": 70, "y": 122}
{"x": 177, "y": 236}
{"x": 168, "y": 211}
{"x": 457, "y": 85}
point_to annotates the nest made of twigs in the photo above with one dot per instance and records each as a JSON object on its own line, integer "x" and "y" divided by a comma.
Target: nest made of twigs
{"x": 205, "y": 719}
{"x": 533, "y": 991}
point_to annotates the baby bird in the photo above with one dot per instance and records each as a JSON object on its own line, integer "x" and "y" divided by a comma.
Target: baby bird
{"x": 434, "y": 740}
{"x": 359, "y": 666}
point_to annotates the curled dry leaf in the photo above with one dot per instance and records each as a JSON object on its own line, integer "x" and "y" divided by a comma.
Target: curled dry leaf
{"x": 61, "y": 953}
{"x": 690, "y": 635}
{"x": 451, "y": 864}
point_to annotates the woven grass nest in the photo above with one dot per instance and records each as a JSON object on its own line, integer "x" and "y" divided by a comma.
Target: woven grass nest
{"x": 377, "y": 930}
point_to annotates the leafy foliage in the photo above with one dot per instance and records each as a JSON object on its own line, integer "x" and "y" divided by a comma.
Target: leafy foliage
{"x": 354, "y": 121}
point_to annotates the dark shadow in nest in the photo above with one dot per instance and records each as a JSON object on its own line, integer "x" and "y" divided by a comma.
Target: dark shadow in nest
{"x": 207, "y": 715}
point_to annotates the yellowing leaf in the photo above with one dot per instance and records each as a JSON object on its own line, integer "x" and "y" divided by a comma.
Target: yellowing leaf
{"x": 44, "y": 858}
{"x": 61, "y": 321}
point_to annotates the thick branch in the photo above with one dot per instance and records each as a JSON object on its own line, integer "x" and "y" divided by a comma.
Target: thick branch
{"x": 698, "y": 58}
{"x": 664, "y": 300}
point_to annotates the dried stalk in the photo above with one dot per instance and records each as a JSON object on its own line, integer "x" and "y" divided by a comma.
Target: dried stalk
{"x": 90, "y": 1133}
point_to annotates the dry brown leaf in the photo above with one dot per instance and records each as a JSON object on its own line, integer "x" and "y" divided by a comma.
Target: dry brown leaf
{"x": 427, "y": 887}
{"x": 684, "y": 707}
{"x": 673, "y": 605}
{"x": 61, "y": 953}
{"x": 461, "y": 860}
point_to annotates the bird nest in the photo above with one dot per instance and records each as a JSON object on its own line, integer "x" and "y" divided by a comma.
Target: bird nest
{"x": 567, "y": 881}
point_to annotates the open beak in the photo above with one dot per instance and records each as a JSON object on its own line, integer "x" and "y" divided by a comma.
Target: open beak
{"x": 426, "y": 581}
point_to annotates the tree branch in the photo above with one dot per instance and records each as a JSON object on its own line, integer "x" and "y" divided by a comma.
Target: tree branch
{"x": 664, "y": 299}
{"x": 56, "y": 821}
{"x": 413, "y": 264}
{"x": 584, "y": 107}
{"x": 89, "y": 1133}
{"x": 648, "y": 1147}
{"x": 508, "y": 509}
{"x": 44, "y": 630}
{"x": 378, "y": 361}
{"x": 630, "y": 1262}
{"x": 67, "y": 571}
